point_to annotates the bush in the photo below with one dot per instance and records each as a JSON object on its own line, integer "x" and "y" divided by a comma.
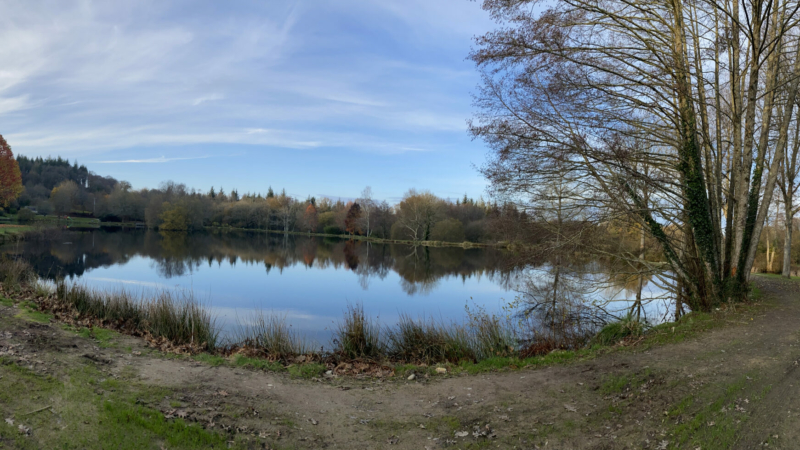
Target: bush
{"x": 26, "y": 216}
{"x": 448, "y": 230}
{"x": 333, "y": 229}
{"x": 401, "y": 233}
{"x": 475, "y": 231}
{"x": 617, "y": 331}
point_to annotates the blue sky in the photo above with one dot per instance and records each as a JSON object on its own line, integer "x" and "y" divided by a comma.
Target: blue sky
{"x": 317, "y": 97}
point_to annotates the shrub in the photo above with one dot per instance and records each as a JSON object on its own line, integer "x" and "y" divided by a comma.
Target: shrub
{"x": 448, "y": 230}
{"x": 475, "y": 231}
{"x": 617, "y": 331}
{"x": 333, "y": 229}
{"x": 26, "y": 216}
{"x": 400, "y": 233}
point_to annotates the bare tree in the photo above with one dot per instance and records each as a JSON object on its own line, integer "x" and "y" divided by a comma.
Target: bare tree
{"x": 788, "y": 185}
{"x": 696, "y": 92}
{"x": 416, "y": 213}
{"x": 367, "y": 206}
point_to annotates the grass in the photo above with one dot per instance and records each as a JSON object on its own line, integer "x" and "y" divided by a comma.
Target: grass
{"x": 310, "y": 370}
{"x": 484, "y": 343}
{"x": 8, "y": 229}
{"x": 427, "y": 341}
{"x": 211, "y": 360}
{"x": 258, "y": 363}
{"x": 358, "y": 336}
{"x": 91, "y": 412}
{"x": 617, "y": 384}
{"x": 718, "y": 405}
{"x": 179, "y": 318}
{"x": 30, "y": 311}
{"x": 105, "y": 338}
{"x": 619, "y": 330}
{"x": 271, "y": 336}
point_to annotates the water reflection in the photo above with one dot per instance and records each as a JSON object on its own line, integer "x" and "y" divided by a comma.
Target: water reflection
{"x": 311, "y": 280}
{"x": 175, "y": 255}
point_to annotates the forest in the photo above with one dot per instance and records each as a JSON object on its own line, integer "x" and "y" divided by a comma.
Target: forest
{"x": 56, "y": 186}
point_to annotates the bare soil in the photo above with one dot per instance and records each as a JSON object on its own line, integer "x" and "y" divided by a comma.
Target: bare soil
{"x": 732, "y": 387}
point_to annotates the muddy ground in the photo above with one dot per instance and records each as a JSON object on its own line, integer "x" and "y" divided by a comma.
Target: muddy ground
{"x": 736, "y": 386}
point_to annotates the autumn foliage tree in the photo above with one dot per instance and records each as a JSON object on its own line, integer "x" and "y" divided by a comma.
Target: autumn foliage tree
{"x": 352, "y": 219}
{"x": 10, "y": 178}
{"x": 310, "y": 218}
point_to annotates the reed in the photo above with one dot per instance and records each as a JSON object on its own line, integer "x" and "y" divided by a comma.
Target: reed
{"x": 182, "y": 320}
{"x": 429, "y": 341}
{"x": 177, "y": 317}
{"x": 271, "y": 337}
{"x": 358, "y": 336}
{"x": 15, "y": 273}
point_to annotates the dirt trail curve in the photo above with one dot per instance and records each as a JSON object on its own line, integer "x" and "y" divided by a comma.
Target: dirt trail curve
{"x": 737, "y": 386}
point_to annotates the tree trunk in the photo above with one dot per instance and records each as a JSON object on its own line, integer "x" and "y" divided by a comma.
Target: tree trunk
{"x": 787, "y": 240}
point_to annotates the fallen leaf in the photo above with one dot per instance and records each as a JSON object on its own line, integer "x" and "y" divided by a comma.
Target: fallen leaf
{"x": 571, "y": 408}
{"x": 10, "y": 421}
{"x": 462, "y": 434}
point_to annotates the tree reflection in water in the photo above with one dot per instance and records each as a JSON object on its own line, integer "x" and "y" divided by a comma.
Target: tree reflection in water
{"x": 180, "y": 254}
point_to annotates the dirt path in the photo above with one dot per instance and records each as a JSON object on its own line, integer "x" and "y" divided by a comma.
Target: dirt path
{"x": 734, "y": 387}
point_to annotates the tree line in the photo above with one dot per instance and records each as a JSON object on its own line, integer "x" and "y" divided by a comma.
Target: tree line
{"x": 56, "y": 186}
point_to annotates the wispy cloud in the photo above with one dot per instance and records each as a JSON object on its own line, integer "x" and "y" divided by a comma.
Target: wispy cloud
{"x": 208, "y": 98}
{"x": 162, "y": 159}
{"x": 138, "y": 78}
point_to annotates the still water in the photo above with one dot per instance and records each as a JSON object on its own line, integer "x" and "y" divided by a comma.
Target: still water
{"x": 309, "y": 280}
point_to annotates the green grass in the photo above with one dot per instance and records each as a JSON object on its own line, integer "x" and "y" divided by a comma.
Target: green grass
{"x": 105, "y": 338}
{"x": 211, "y": 360}
{"x": 310, "y": 370}
{"x": 14, "y": 229}
{"x": 29, "y": 311}
{"x": 696, "y": 413}
{"x": 88, "y": 410}
{"x": 91, "y": 412}
{"x": 130, "y": 426}
{"x": 258, "y": 363}
{"x": 617, "y": 384}
{"x": 6, "y": 302}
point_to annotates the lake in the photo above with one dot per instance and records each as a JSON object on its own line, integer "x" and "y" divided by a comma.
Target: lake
{"x": 312, "y": 280}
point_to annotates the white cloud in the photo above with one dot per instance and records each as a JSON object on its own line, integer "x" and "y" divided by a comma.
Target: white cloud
{"x": 161, "y": 159}
{"x": 208, "y": 98}
{"x": 85, "y": 78}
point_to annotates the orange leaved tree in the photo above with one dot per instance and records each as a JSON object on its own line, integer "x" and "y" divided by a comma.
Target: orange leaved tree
{"x": 10, "y": 178}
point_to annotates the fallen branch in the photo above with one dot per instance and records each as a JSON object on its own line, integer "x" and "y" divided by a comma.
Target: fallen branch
{"x": 38, "y": 410}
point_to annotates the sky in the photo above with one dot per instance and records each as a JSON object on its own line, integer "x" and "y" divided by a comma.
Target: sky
{"x": 320, "y": 98}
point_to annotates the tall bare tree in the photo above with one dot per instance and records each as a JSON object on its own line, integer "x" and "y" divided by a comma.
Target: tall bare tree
{"x": 367, "y": 205}
{"x": 696, "y": 92}
{"x": 788, "y": 185}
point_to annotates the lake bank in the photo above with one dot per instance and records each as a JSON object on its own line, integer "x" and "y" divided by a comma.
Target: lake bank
{"x": 103, "y": 389}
